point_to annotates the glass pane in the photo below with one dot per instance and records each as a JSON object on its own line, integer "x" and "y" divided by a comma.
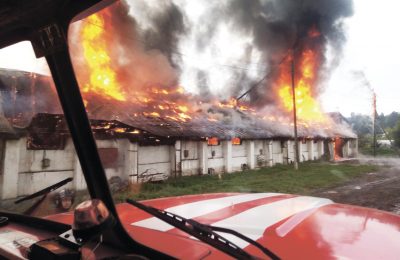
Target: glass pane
{"x": 36, "y": 150}
{"x": 165, "y": 89}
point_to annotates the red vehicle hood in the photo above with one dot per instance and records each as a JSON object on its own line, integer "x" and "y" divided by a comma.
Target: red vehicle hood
{"x": 293, "y": 227}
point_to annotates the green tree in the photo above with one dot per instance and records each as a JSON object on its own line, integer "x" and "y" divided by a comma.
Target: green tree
{"x": 396, "y": 135}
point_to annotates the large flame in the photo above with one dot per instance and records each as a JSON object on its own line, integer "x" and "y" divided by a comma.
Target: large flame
{"x": 305, "y": 75}
{"x": 171, "y": 102}
{"x": 102, "y": 78}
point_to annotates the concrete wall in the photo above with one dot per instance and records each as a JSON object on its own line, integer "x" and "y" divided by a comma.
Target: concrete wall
{"x": 290, "y": 148}
{"x": 117, "y": 170}
{"x": 303, "y": 150}
{"x": 190, "y": 157}
{"x": 320, "y": 148}
{"x": 24, "y": 171}
{"x": 259, "y": 153}
{"x": 29, "y": 183}
{"x": 277, "y": 152}
{"x": 27, "y": 171}
{"x": 239, "y": 156}
{"x": 9, "y": 185}
{"x": 154, "y": 159}
{"x": 58, "y": 160}
{"x": 315, "y": 151}
{"x": 216, "y": 158}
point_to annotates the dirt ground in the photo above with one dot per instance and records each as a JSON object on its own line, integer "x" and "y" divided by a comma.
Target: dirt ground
{"x": 380, "y": 190}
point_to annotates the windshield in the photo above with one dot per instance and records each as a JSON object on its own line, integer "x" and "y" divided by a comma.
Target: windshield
{"x": 180, "y": 96}
{"x": 36, "y": 149}
{"x": 220, "y": 111}
{"x": 168, "y": 99}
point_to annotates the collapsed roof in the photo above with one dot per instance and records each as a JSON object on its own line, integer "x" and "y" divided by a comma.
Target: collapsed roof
{"x": 27, "y": 104}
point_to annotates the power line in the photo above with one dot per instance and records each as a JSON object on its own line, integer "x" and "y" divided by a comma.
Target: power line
{"x": 264, "y": 78}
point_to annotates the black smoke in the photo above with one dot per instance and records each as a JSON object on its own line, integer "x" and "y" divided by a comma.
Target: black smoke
{"x": 167, "y": 28}
{"x": 276, "y": 27}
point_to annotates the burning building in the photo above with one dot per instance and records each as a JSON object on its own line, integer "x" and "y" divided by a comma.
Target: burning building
{"x": 148, "y": 127}
{"x": 36, "y": 148}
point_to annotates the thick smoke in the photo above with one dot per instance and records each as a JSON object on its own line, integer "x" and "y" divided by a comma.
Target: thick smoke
{"x": 217, "y": 48}
{"x": 274, "y": 27}
{"x": 221, "y": 47}
{"x": 166, "y": 29}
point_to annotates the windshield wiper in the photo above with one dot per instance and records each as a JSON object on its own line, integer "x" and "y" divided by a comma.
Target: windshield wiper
{"x": 206, "y": 233}
{"x": 45, "y": 191}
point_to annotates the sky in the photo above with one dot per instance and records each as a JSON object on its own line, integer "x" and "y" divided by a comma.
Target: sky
{"x": 372, "y": 48}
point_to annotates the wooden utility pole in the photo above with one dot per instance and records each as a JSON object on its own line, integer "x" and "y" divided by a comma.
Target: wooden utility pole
{"x": 374, "y": 123}
{"x": 296, "y": 141}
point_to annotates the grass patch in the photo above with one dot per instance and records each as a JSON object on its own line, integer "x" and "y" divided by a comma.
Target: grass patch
{"x": 281, "y": 178}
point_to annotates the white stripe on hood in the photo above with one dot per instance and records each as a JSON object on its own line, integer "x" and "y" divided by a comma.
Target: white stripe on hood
{"x": 200, "y": 208}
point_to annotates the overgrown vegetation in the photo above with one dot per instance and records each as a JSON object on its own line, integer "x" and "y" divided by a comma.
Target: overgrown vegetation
{"x": 387, "y": 127}
{"x": 282, "y": 178}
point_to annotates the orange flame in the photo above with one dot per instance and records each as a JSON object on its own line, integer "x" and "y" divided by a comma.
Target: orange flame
{"x": 213, "y": 141}
{"x": 337, "y": 146}
{"x": 236, "y": 141}
{"x": 308, "y": 108}
{"x": 102, "y": 78}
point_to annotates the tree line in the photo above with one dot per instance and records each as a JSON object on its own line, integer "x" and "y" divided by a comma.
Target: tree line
{"x": 387, "y": 128}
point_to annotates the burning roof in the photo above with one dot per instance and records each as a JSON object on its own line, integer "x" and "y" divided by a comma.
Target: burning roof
{"x": 132, "y": 88}
{"x": 224, "y": 120}
{"x": 150, "y": 130}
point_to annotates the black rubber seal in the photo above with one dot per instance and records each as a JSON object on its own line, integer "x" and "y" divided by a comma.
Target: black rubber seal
{"x": 3, "y": 221}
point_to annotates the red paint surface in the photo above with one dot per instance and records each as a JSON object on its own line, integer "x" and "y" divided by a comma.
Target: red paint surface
{"x": 329, "y": 232}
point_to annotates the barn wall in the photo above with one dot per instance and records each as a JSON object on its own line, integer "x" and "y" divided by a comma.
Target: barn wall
{"x": 203, "y": 157}
{"x": 58, "y": 160}
{"x": 9, "y": 185}
{"x": 277, "y": 152}
{"x": 291, "y": 149}
{"x": 321, "y": 149}
{"x": 303, "y": 151}
{"x": 216, "y": 158}
{"x": 239, "y": 156}
{"x": 117, "y": 168}
{"x": 259, "y": 153}
{"x": 190, "y": 157}
{"x": 29, "y": 182}
{"x": 154, "y": 159}
{"x": 315, "y": 150}
{"x": 24, "y": 173}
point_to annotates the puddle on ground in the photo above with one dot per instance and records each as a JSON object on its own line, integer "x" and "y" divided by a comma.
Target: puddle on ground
{"x": 396, "y": 209}
{"x": 331, "y": 192}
